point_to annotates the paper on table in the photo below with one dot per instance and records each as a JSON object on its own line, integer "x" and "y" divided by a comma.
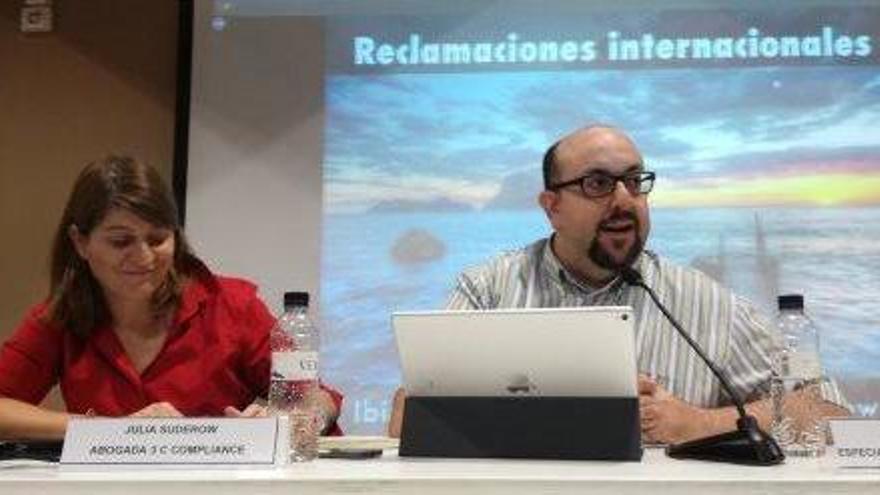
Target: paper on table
{"x": 358, "y": 442}
{"x": 25, "y": 463}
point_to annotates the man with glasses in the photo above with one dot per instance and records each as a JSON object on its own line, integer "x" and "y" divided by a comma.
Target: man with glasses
{"x": 596, "y": 199}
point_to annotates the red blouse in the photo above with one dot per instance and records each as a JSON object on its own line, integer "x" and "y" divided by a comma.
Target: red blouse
{"x": 216, "y": 355}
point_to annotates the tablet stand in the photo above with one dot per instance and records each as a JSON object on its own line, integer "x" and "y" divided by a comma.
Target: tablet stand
{"x": 604, "y": 428}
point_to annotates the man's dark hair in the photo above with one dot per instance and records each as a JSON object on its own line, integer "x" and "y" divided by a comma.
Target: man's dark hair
{"x": 550, "y": 165}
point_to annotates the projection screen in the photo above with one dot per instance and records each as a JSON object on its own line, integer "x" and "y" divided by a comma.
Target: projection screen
{"x": 368, "y": 151}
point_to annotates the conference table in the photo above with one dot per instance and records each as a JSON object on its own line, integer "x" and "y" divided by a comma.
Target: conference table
{"x": 391, "y": 474}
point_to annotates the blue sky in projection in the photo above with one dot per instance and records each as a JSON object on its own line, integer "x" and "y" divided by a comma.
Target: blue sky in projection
{"x": 721, "y": 137}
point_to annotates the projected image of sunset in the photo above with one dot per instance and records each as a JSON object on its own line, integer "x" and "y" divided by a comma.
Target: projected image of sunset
{"x": 768, "y": 179}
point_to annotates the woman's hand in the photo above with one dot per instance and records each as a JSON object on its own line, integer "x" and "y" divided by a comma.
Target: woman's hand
{"x": 252, "y": 411}
{"x": 158, "y": 410}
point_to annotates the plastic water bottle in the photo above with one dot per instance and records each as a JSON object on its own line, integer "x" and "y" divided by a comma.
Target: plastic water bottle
{"x": 295, "y": 344}
{"x": 798, "y": 426}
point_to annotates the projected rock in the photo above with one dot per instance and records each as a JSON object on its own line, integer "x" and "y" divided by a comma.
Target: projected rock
{"x": 417, "y": 246}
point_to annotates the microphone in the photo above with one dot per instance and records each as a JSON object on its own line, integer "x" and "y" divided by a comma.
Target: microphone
{"x": 748, "y": 444}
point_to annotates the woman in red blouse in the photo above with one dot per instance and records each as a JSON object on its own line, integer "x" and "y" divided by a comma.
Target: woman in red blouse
{"x": 135, "y": 323}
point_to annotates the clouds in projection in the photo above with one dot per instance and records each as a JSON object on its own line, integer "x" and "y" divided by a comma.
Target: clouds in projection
{"x": 459, "y": 135}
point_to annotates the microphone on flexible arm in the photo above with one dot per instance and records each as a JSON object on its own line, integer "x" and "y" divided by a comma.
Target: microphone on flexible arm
{"x": 748, "y": 444}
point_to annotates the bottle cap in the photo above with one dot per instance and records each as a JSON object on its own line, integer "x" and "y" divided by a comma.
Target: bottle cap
{"x": 296, "y": 299}
{"x": 791, "y": 301}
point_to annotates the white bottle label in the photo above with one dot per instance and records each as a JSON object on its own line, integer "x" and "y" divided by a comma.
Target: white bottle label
{"x": 804, "y": 365}
{"x": 296, "y": 365}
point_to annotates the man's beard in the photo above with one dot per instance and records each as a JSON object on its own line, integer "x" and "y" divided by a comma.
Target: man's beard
{"x": 603, "y": 258}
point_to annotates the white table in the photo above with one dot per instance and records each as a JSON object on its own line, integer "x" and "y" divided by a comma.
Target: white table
{"x": 656, "y": 474}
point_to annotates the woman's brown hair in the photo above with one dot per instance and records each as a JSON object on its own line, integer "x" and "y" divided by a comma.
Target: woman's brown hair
{"x": 76, "y": 301}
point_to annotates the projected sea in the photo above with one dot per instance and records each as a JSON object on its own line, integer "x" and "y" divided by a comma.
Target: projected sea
{"x": 831, "y": 255}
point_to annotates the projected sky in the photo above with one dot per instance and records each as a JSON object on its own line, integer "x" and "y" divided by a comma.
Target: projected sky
{"x": 750, "y": 137}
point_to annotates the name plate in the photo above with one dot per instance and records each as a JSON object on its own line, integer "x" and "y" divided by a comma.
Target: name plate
{"x": 172, "y": 441}
{"x": 856, "y": 442}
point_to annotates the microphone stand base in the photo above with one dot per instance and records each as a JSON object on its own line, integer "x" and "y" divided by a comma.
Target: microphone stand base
{"x": 748, "y": 444}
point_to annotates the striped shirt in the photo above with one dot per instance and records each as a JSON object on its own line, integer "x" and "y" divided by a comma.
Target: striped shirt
{"x": 728, "y": 328}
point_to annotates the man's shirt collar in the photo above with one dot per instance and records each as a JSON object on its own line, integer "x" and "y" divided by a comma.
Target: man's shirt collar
{"x": 557, "y": 272}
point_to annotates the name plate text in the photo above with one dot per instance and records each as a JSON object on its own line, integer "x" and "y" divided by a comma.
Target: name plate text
{"x": 170, "y": 441}
{"x": 856, "y": 442}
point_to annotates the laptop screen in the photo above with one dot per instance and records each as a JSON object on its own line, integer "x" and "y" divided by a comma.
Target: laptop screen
{"x": 542, "y": 352}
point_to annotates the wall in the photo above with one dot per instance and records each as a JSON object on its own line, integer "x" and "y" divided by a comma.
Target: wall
{"x": 256, "y": 135}
{"x": 104, "y": 81}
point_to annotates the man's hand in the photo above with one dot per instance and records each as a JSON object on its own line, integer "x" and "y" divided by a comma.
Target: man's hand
{"x": 395, "y": 422}
{"x": 158, "y": 410}
{"x": 668, "y": 419}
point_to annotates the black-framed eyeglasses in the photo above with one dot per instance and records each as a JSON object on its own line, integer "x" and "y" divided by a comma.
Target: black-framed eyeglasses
{"x": 598, "y": 184}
